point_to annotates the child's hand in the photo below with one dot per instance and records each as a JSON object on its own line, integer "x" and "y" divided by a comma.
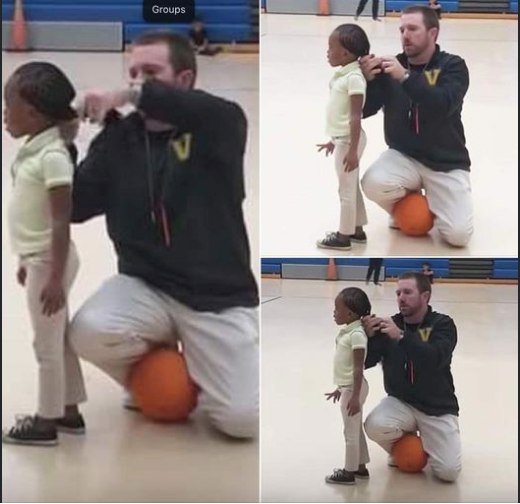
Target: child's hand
{"x": 335, "y": 396}
{"x": 21, "y": 275}
{"x": 52, "y": 297}
{"x": 329, "y": 148}
{"x": 353, "y": 406}
{"x": 351, "y": 161}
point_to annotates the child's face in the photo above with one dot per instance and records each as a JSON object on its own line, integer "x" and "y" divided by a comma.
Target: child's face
{"x": 19, "y": 116}
{"x": 337, "y": 55}
{"x": 343, "y": 314}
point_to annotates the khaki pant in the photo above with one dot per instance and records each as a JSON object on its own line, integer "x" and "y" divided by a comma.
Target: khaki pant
{"x": 440, "y": 435}
{"x": 60, "y": 381}
{"x": 127, "y": 317}
{"x": 356, "y": 450}
{"x": 394, "y": 175}
{"x": 353, "y": 211}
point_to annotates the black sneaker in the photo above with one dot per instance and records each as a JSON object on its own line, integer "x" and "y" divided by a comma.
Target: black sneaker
{"x": 341, "y": 477}
{"x": 331, "y": 241}
{"x": 359, "y": 237}
{"x": 74, "y": 425}
{"x": 362, "y": 473}
{"x": 28, "y": 431}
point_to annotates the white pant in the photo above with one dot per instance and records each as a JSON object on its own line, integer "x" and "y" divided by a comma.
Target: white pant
{"x": 60, "y": 381}
{"x": 440, "y": 435}
{"x": 394, "y": 175}
{"x": 356, "y": 450}
{"x": 126, "y": 317}
{"x": 353, "y": 211}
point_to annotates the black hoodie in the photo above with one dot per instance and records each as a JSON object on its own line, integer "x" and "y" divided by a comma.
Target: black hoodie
{"x": 422, "y": 116}
{"x": 173, "y": 200}
{"x": 417, "y": 369}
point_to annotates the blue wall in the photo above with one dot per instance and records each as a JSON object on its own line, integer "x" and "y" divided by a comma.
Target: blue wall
{"x": 502, "y": 268}
{"x": 226, "y": 20}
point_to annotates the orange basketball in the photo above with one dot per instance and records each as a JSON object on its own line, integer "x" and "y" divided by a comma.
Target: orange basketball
{"x": 162, "y": 387}
{"x": 408, "y": 454}
{"x": 412, "y": 215}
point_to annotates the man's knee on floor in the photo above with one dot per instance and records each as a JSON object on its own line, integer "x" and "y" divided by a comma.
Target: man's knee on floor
{"x": 457, "y": 236}
{"x": 446, "y": 472}
{"x": 237, "y": 422}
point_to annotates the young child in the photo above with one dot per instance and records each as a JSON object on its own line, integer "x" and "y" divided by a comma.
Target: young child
{"x": 427, "y": 271}
{"x": 37, "y": 103}
{"x": 351, "y": 305}
{"x": 347, "y": 43}
{"x": 199, "y": 39}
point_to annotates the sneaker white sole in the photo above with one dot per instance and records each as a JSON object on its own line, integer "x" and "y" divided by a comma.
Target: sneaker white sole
{"x": 334, "y": 482}
{"x": 28, "y": 442}
{"x": 356, "y": 240}
{"x": 329, "y": 247}
{"x": 71, "y": 430}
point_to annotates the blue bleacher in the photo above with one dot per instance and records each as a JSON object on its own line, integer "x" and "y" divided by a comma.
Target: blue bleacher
{"x": 502, "y": 268}
{"x": 225, "y": 20}
{"x": 399, "y": 5}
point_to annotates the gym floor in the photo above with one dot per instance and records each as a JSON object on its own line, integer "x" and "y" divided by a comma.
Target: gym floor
{"x": 302, "y": 433}
{"x": 123, "y": 457}
{"x": 303, "y": 203}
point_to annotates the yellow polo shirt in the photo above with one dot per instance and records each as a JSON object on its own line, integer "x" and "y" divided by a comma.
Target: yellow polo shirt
{"x": 346, "y": 81}
{"x": 42, "y": 163}
{"x": 350, "y": 337}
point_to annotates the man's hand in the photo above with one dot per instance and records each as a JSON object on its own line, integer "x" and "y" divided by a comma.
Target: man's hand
{"x": 95, "y": 104}
{"x": 371, "y": 324}
{"x": 52, "y": 297}
{"x": 329, "y": 148}
{"x": 392, "y": 67}
{"x": 389, "y": 328}
{"x": 335, "y": 396}
{"x": 21, "y": 275}
{"x": 351, "y": 161}
{"x": 370, "y": 66}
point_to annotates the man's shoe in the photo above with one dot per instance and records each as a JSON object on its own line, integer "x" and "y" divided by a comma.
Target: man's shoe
{"x": 74, "y": 425}
{"x": 129, "y": 403}
{"x": 362, "y": 473}
{"x": 392, "y": 224}
{"x": 341, "y": 477}
{"x": 376, "y": 19}
{"x": 331, "y": 241}
{"x": 391, "y": 462}
{"x": 29, "y": 431}
{"x": 359, "y": 237}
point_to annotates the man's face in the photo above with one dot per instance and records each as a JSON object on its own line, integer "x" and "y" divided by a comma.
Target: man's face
{"x": 409, "y": 300}
{"x": 415, "y": 38}
{"x": 151, "y": 62}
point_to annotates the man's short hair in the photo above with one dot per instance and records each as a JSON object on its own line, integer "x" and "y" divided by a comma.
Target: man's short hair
{"x": 182, "y": 56}
{"x": 430, "y": 18}
{"x": 422, "y": 281}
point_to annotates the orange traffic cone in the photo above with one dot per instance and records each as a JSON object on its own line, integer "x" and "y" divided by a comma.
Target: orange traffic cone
{"x": 332, "y": 273}
{"x": 18, "y": 29}
{"x": 323, "y": 8}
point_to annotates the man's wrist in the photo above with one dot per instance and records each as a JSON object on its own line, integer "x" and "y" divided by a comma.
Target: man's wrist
{"x": 405, "y": 76}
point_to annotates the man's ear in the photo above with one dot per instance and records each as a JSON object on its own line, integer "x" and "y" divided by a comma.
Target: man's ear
{"x": 185, "y": 79}
{"x": 434, "y": 32}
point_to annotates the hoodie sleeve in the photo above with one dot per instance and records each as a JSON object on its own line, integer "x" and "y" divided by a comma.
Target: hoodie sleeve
{"x": 376, "y": 346}
{"x": 442, "y": 92}
{"x": 375, "y": 95}
{"x": 437, "y": 349}
{"x": 90, "y": 185}
{"x": 189, "y": 110}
